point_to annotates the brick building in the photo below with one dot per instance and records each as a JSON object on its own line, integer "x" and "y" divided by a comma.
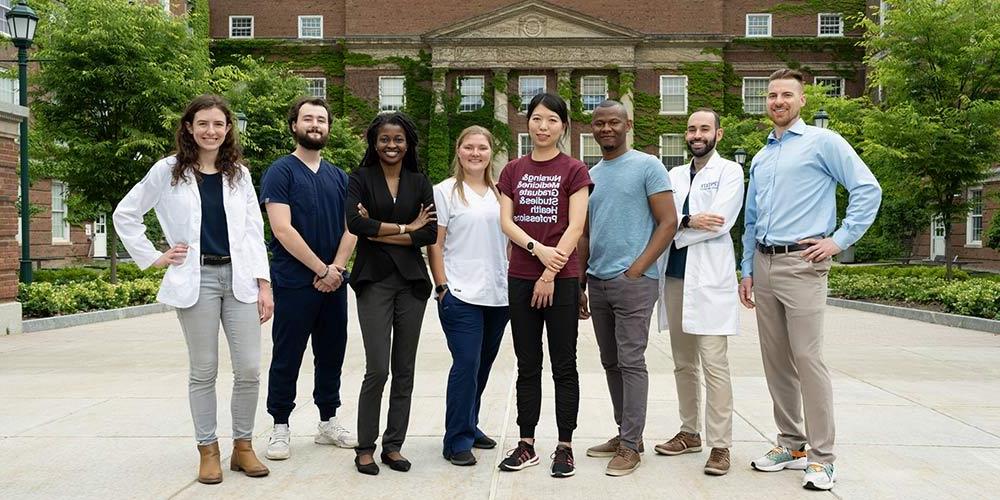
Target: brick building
{"x": 968, "y": 235}
{"x": 480, "y": 61}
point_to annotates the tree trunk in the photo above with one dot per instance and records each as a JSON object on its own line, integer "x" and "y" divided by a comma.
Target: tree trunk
{"x": 113, "y": 247}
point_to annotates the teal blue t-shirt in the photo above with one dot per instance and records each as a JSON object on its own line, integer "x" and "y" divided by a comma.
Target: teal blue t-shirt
{"x": 621, "y": 222}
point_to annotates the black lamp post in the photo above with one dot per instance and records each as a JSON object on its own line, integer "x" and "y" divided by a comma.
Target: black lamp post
{"x": 21, "y": 22}
{"x": 740, "y": 155}
{"x": 821, "y": 119}
{"x": 241, "y": 122}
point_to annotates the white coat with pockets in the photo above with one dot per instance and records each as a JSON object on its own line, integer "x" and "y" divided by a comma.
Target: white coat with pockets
{"x": 178, "y": 209}
{"x": 711, "y": 300}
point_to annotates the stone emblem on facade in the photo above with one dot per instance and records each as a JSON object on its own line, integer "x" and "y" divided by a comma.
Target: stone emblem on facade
{"x": 531, "y": 26}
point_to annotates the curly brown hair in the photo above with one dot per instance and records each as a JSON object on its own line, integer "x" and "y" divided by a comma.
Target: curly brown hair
{"x": 186, "y": 149}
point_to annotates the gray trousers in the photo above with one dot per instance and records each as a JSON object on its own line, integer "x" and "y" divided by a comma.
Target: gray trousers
{"x": 620, "y": 309}
{"x": 200, "y": 324}
{"x": 390, "y": 317}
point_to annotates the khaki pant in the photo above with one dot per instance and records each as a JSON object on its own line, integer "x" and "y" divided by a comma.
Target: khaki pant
{"x": 790, "y": 294}
{"x": 708, "y": 351}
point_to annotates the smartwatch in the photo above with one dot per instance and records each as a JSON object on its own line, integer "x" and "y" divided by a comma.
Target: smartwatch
{"x": 685, "y": 221}
{"x": 440, "y": 288}
{"x": 530, "y": 247}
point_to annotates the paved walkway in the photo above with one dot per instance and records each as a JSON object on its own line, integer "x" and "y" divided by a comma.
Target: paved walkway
{"x": 101, "y": 411}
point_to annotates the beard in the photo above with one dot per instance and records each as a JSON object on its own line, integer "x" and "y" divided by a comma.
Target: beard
{"x": 709, "y": 147}
{"x": 302, "y": 139}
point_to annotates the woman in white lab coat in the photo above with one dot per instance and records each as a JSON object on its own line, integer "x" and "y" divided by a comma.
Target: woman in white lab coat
{"x": 217, "y": 269}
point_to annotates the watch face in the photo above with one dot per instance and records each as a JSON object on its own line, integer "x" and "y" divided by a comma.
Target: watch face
{"x": 531, "y": 245}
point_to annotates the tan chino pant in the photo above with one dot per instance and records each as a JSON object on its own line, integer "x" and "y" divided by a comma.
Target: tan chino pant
{"x": 692, "y": 354}
{"x": 790, "y": 295}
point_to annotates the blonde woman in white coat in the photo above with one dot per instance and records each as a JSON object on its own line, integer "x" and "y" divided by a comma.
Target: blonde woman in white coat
{"x": 699, "y": 300}
{"x": 217, "y": 269}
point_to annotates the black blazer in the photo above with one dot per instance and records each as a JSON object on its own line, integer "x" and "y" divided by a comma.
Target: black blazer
{"x": 376, "y": 261}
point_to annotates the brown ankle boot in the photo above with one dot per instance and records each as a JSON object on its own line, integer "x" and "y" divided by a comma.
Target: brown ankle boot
{"x": 244, "y": 459}
{"x": 210, "y": 470}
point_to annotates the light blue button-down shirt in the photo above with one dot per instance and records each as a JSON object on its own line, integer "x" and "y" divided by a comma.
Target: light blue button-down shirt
{"x": 792, "y": 191}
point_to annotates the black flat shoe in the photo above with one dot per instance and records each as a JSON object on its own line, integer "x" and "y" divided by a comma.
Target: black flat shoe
{"x": 484, "y": 443}
{"x": 401, "y": 465}
{"x": 369, "y": 469}
{"x": 462, "y": 458}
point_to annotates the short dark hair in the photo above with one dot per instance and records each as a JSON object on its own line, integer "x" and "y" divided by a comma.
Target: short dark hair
{"x": 555, "y": 103}
{"x": 787, "y": 74}
{"x": 611, "y": 103}
{"x": 718, "y": 119}
{"x": 293, "y": 112}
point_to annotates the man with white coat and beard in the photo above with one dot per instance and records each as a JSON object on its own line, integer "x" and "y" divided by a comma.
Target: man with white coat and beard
{"x": 699, "y": 299}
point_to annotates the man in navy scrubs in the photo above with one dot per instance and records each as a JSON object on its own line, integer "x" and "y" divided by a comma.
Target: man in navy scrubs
{"x": 304, "y": 198}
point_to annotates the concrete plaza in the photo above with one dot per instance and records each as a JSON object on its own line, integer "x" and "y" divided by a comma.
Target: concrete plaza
{"x": 101, "y": 411}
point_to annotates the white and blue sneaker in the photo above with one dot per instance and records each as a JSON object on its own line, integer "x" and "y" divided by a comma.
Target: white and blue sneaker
{"x": 819, "y": 476}
{"x": 780, "y": 458}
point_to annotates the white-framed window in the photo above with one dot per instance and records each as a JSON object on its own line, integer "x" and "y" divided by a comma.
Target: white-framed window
{"x": 4, "y": 9}
{"x": 758, "y": 25}
{"x": 834, "y": 85}
{"x": 974, "y": 222}
{"x": 830, "y": 24}
{"x": 316, "y": 87}
{"x": 590, "y": 150}
{"x": 673, "y": 95}
{"x": 593, "y": 91}
{"x": 60, "y": 228}
{"x": 391, "y": 93}
{"x": 672, "y": 150}
{"x": 310, "y": 26}
{"x": 8, "y": 91}
{"x": 240, "y": 26}
{"x": 529, "y": 86}
{"x": 471, "y": 89}
{"x": 523, "y": 145}
{"x": 754, "y": 95}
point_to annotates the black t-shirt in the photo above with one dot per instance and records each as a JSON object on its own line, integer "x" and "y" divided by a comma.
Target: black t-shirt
{"x": 214, "y": 228}
{"x": 316, "y": 201}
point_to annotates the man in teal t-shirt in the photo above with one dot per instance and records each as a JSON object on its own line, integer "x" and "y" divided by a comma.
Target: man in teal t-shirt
{"x": 631, "y": 221}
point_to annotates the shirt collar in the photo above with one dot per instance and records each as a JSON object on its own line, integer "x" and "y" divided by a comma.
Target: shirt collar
{"x": 797, "y": 128}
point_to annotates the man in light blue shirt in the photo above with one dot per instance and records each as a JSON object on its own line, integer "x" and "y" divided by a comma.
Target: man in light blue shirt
{"x": 789, "y": 239}
{"x": 631, "y": 220}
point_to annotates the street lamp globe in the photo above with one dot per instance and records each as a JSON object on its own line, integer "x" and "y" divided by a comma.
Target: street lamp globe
{"x": 821, "y": 119}
{"x": 241, "y": 121}
{"x": 740, "y": 155}
{"x": 21, "y": 22}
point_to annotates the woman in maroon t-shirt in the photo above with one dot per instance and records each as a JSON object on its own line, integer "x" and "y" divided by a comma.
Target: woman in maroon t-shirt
{"x": 543, "y": 208}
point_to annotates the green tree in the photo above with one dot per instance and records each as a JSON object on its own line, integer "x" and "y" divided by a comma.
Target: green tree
{"x": 938, "y": 67}
{"x": 115, "y": 74}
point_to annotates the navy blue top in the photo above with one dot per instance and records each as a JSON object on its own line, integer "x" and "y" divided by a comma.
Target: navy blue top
{"x": 214, "y": 229}
{"x": 316, "y": 201}
{"x": 677, "y": 262}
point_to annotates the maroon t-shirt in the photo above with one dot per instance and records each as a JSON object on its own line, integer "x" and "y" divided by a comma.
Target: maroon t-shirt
{"x": 541, "y": 191}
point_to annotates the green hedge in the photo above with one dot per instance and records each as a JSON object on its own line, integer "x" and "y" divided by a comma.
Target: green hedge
{"x": 127, "y": 271}
{"x": 978, "y": 296}
{"x": 51, "y": 299}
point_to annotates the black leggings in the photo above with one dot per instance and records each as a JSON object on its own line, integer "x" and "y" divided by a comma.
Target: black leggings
{"x": 561, "y": 324}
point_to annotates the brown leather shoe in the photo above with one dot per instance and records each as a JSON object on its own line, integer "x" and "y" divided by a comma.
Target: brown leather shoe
{"x": 681, "y": 443}
{"x": 626, "y": 461}
{"x": 210, "y": 468}
{"x": 609, "y": 448}
{"x": 244, "y": 459}
{"x": 718, "y": 462}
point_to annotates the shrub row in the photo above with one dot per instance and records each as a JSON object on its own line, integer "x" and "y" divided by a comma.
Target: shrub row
{"x": 53, "y": 299}
{"x": 127, "y": 271}
{"x": 978, "y": 297}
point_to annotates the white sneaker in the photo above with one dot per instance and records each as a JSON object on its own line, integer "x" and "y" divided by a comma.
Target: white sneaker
{"x": 278, "y": 447}
{"x": 331, "y": 432}
{"x": 780, "y": 458}
{"x": 819, "y": 476}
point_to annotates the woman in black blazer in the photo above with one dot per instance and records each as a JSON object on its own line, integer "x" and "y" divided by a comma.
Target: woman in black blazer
{"x": 390, "y": 209}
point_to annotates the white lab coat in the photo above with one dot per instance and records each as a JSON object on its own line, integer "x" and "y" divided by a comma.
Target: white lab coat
{"x": 711, "y": 300}
{"x": 178, "y": 208}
